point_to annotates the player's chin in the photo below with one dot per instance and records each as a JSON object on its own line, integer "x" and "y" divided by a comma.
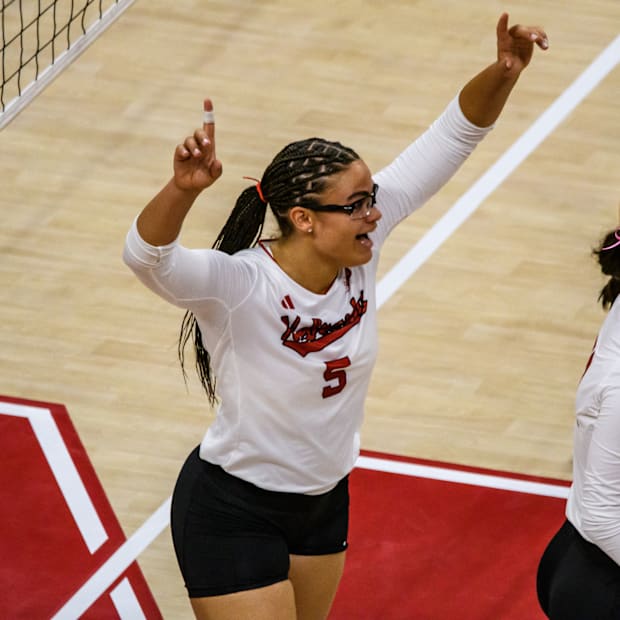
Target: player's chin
{"x": 360, "y": 257}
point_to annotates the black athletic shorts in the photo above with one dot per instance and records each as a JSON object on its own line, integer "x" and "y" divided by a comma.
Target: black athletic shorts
{"x": 576, "y": 580}
{"x": 229, "y": 535}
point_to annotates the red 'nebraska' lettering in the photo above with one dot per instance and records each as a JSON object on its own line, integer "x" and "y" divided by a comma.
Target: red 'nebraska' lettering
{"x": 318, "y": 335}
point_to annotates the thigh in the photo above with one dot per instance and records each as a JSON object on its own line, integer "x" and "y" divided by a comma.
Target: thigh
{"x": 318, "y": 553}
{"x": 315, "y": 580}
{"x": 275, "y": 602}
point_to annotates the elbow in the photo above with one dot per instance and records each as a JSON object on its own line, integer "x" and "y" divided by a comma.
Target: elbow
{"x": 129, "y": 258}
{"x": 138, "y": 255}
{"x": 137, "y": 263}
{"x": 126, "y": 257}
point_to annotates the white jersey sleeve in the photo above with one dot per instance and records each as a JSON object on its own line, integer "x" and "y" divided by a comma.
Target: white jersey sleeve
{"x": 424, "y": 167}
{"x": 188, "y": 278}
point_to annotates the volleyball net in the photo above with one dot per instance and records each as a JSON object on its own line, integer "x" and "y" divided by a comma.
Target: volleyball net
{"x": 41, "y": 38}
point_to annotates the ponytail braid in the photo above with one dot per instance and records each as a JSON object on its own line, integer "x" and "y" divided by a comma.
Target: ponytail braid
{"x": 608, "y": 257}
{"x": 296, "y": 176}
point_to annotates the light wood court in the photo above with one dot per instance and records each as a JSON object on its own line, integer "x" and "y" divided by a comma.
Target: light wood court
{"x": 481, "y": 349}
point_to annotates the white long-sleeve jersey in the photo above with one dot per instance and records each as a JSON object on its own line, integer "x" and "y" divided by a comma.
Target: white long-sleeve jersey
{"x": 593, "y": 505}
{"x": 293, "y": 367}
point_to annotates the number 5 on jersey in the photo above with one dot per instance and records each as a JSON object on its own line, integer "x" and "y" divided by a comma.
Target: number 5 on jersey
{"x": 335, "y": 372}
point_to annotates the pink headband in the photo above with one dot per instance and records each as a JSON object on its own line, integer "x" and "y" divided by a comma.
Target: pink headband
{"x": 613, "y": 245}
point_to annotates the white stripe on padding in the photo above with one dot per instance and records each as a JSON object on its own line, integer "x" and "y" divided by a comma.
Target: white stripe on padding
{"x": 126, "y": 603}
{"x": 64, "y": 470}
{"x": 115, "y": 565}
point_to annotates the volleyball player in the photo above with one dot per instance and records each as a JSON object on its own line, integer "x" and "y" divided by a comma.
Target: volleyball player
{"x": 579, "y": 573}
{"x": 284, "y": 331}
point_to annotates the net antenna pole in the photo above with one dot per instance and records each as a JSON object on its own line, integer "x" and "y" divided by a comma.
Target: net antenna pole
{"x": 59, "y": 63}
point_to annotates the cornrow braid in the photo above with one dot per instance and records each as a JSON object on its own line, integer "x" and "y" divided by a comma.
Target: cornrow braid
{"x": 296, "y": 176}
{"x": 608, "y": 257}
{"x": 299, "y": 173}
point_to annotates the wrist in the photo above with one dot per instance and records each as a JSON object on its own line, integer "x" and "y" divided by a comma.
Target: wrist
{"x": 507, "y": 70}
{"x": 183, "y": 192}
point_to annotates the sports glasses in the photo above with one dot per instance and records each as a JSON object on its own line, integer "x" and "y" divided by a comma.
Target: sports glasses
{"x": 357, "y": 210}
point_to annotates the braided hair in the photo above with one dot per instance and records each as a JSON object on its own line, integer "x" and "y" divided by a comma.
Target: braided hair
{"x": 296, "y": 177}
{"x": 608, "y": 256}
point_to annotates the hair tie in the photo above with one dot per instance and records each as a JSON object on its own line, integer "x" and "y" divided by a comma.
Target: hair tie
{"x": 613, "y": 245}
{"x": 260, "y": 191}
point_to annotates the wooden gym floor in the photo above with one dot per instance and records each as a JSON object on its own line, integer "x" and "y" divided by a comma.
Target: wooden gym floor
{"x": 481, "y": 348}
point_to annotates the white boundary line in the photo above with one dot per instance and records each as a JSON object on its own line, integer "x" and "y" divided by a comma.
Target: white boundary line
{"x": 497, "y": 173}
{"x": 462, "y": 477}
{"x": 546, "y": 123}
{"x": 129, "y": 551}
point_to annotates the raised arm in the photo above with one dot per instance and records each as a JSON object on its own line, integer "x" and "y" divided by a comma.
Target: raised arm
{"x": 195, "y": 168}
{"x": 483, "y": 97}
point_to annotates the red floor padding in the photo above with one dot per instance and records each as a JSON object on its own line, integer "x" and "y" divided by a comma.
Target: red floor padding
{"x": 420, "y": 549}
{"x": 424, "y": 549}
{"x": 44, "y": 558}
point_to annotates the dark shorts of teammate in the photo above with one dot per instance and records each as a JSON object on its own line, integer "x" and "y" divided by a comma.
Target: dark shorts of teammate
{"x": 577, "y": 580}
{"x": 229, "y": 535}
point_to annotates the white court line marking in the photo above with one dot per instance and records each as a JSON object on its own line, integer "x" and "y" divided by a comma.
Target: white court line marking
{"x": 115, "y": 565}
{"x": 497, "y": 173}
{"x": 64, "y": 470}
{"x": 155, "y": 524}
{"x": 462, "y": 477}
{"x": 126, "y": 603}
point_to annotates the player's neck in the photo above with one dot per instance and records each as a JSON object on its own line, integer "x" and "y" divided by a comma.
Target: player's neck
{"x": 301, "y": 264}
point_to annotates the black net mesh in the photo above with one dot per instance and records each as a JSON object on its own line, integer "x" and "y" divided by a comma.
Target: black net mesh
{"x": 37, "y": 34}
